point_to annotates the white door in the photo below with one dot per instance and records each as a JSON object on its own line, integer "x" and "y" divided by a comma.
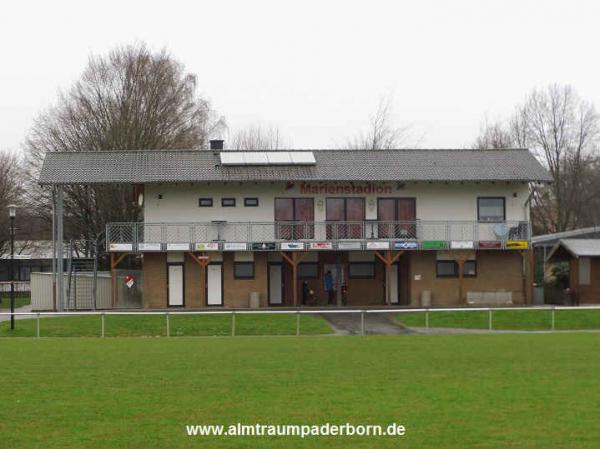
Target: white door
{"x": 394, "y": 284}
{"x": 275, "y": 277}
{"x": 175, "y": 285}
{"x": 214, "y": 293}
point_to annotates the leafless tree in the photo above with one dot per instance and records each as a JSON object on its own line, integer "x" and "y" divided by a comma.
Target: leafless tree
{"x": 562, "y": 130}
{"x": 11, "y": 189}
{"x": 129, "y": 99}
{"x": 382, "y": 134}
{"x": 256, "y": 138}
{"x": 494, "y": 135}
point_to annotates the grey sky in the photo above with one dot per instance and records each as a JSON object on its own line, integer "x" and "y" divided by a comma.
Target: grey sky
{"x": 315, "y": 69}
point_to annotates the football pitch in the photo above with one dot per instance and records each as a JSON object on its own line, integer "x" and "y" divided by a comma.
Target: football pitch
{"x": 449, "y": 391}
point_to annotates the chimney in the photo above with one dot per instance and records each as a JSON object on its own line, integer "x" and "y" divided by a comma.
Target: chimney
{"x": 216, "y": 144}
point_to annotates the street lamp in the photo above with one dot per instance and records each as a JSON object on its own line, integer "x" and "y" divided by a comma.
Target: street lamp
{"x": 12, "y": 213}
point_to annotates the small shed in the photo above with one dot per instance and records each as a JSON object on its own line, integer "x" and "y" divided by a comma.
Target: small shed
{"x": 583, "y": 256}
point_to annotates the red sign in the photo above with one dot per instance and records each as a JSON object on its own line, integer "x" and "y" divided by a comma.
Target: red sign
{"x": 345, "y": 188}
{"x": 129, "y": 281}
{"x": 490, "y": 244}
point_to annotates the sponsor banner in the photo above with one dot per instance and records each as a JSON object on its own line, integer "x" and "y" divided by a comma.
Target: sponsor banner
{"x": 291, "y": 246}
{"x": 378, "y": 245}
{"x": 235, "y": 246}
{"x": 434, "y": 244}
{"x": 121, "y": 247}
{"x": 320, "y": 245}
{"x": 349, "y": 246}
{"x": 462, "y": 244}
{"x": 149, "y": 246}
{"x": 490, "y": 244}
{"x": 263, "y": 246}
{"x": 517, "y": 244}
{"x": 207, "y": 246}
{"x": 406, "y": 245}
{"x": 178, "y": 246}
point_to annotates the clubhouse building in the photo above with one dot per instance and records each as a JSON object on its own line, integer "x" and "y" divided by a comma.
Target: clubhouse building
{"x": 289, "y": 228}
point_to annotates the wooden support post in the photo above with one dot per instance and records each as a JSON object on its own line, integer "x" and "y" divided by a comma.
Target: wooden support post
{"x": 203, "y": 261}
{"x": 294, "y": 260}
{"x": 527, "y": 273}
{"x": 388, "y": 260}
{"x": 114, "y": 262}
{"x": 460, "y": 257}
{"x": 461, "y": 279}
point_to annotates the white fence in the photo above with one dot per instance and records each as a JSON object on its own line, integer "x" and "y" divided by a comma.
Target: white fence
{"x": 81, "y": 293}
{"x": 364, "y": 313}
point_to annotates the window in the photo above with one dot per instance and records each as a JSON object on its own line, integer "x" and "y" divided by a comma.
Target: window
{"x": 251, "y": 202}
{"x": 351, "y": 212}
{"x": 397, "y": 218}
{"x": 227, "y": 202}
{"x": 243, "y": 270}
{"x": 361, "y": 270}
{"x": 205, "y": 202}
{"x": 308, "y": 270}
{"x": 491, "y": 209}
{"x": 449, "y": 269}
{"x": 294, "y": 218}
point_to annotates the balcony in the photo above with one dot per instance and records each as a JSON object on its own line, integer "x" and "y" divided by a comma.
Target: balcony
{"x": 419, "y": 234}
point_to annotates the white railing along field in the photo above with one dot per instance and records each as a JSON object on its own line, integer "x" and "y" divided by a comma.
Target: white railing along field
{"x": 428, "y": 312}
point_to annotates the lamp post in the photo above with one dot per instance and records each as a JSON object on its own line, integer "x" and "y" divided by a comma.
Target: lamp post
{"x": 12, "y": 213}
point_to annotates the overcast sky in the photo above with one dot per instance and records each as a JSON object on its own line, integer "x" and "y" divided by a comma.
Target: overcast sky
{"x": 315, "y": 69}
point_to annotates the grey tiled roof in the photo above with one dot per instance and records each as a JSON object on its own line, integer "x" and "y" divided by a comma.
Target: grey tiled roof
{"x": 160, "y": 166}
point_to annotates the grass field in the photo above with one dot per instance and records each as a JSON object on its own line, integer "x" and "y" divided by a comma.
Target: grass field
{"x": 507, "y": 319}
{"x": 20, "y": 301}
{"x": 450, "y": 391}
{"x": 155, "y": 325}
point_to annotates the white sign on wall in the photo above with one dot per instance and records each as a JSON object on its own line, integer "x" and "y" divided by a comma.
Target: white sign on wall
{"x": 462, "y": 244}
{"x": 178, "y": 246}
{"x": 149, "y": 246}
{"x": 349, "y": 246}
{"x": 234, "y": 246}
{"x": 121, "y": 247}
{"x": 320, "y": 245}
{"x": 291, "y": 246}
{"x": 378, "y": 245}
{"x": 207, "y": 246}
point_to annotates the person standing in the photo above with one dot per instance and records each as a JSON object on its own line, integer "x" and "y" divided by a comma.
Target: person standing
{"x": 329, "y": 287}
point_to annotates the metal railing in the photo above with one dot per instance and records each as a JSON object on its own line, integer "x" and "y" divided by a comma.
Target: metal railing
{"x": 364, "y": 313}
{"x": 247, "y": 232}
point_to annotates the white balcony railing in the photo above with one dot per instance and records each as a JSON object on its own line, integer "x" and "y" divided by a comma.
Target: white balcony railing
{"x": 259, "y": 232}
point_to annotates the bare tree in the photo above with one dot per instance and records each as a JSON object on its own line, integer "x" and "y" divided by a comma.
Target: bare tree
{"x": 382, "y": 134}
{"x": 256, "y": 138}
{"x": 494, "y": 135}
{"x": 11, "y": 176}
{"x": 130, "y": 99}
{"x": 562, "y": 130}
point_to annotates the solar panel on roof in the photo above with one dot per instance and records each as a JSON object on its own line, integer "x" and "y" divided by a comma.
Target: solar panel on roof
{"x": 255, "y": 158}
{"x": 279, "y": 158}
{"x": 267, "y": 158}
{"x": 303, "y": 157}
{"x": 231, "y": 158}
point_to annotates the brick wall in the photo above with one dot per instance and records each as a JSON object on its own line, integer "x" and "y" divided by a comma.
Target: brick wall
{"x": 155, "y": 280}
{"x": 496, "y": 270}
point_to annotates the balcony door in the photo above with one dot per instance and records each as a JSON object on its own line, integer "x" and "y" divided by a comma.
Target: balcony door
{"x": 350, "y": 212}
{"x": 396, "y": 217}
{"x": 294, "y": 218}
